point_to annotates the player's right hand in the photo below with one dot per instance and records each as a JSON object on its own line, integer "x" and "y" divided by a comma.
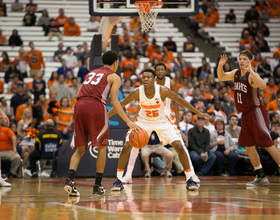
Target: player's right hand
{"x": 203, "y": 115}
{"x": 133, "y": 126}
{"x": 223, "y": 59}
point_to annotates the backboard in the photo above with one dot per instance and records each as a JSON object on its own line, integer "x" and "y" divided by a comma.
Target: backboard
{"x": 127, "y": 8}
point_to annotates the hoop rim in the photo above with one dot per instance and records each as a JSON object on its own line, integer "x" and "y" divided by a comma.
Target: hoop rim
{"x": 156, "y": 3}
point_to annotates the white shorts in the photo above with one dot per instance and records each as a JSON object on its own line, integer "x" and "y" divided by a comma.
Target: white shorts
{"x": 167, "y": 131}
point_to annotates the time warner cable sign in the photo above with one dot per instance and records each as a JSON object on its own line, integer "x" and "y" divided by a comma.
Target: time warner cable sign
{"x": 114, "y": 148}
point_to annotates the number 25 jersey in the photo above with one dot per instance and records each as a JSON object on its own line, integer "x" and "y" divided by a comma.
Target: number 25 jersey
{"x": 246, "y": 97}
{"x": 151, "y": 109}
{"x": 96, "y": 85}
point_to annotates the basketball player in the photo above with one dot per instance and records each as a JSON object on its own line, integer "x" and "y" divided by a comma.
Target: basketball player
{"x": 91, "y": 118}
{"x": 254, "y": 125}
{"x": 161, "y": 79}
{"x": 153, "y": 117}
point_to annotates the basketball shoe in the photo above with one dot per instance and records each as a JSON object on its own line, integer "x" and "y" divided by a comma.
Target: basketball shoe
{"x": 191, "y": 185}
{"x": 4, "y": 183}
{"x": 70, "y": 188}
{"x": 98, "y": 190}
{"x": 127, "y": 179}
{"x": 117, "y": 186}
{"x": 195, "y": 178}
{"x": 258, "y": 182}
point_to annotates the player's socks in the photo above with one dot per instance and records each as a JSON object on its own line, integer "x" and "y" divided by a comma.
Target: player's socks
{"x": 120, "y": 173}
{"x": 71, "y": 174}
{"x": 260, "y": 173}
{"x": 188, "y": 173}
{"x": 98, "y": 178}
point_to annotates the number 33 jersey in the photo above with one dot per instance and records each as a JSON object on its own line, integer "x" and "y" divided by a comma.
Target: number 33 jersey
{"x": 96, "y": 85}
{"x": 246, "y": 97}
{"x": 151, "y": 109}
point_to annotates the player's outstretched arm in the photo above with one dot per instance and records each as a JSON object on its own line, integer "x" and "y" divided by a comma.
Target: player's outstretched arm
{"x": 254, "y": 79}
{"x": 133, "y": 95}
{"x": 220, "y": 72}
{"x": 168, "y": 93}
{"x": 115, "y": 82}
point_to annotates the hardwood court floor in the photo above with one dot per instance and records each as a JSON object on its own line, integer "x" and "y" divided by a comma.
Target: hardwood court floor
{"x": 155, "y": 198}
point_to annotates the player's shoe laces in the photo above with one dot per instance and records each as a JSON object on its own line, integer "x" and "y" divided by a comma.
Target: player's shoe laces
{"x": 195, "y": 178}
{"x": 127, "y": 179}
{"x": 258, "y": 182}
{"x": 191, "y": 185}
{"x": 4, "y": 183}
{"x": 117, "y": 186}
{"x": 70, "y": 188}
{"x": 98, "y": 190}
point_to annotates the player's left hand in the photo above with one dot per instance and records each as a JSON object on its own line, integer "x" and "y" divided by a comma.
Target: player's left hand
{"x": 203, "y": 115}
{"x": 133, "y": 126}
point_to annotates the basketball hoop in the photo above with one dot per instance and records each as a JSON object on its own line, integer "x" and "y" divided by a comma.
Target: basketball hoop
{"x": 148, "y": 11}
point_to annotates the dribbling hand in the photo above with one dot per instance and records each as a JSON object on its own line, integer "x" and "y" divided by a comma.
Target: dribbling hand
{"x": 223, "y": 59}
{"x": 133, "y": 126}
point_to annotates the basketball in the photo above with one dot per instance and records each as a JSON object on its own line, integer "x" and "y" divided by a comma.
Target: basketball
{"x": 139, "y": 139}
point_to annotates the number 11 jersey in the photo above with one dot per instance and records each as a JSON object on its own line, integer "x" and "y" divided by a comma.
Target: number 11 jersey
{"x": 246, "y": 97}
{"x": 96, "y": 85}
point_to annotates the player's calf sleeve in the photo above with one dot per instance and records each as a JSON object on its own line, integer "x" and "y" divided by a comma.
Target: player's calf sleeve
{"x": 131, "y": 162}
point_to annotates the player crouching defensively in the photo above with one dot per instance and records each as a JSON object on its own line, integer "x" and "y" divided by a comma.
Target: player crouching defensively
{"x": 254, "y": 125}
{"x": 153, "y": 117}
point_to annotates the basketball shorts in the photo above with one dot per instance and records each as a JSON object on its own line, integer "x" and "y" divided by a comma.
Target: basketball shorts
{"x": 91, "y": 119}
{"x": 166, "y": 130}
{"x": 254, "y": 128}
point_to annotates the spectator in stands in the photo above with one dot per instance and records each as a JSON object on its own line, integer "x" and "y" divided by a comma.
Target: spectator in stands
{"x": 169, "y": 54}
{"x": 189, "y": 46}
{"x": 43, "y": 103}
{"x": 223, "y": 147}
{"x": 228, "y": 105}
{"x": 61, "y": 19}
{"x": 83, "y": 71}
{"x": 263, "y": 68}
{"x": 11, "y": 72}
{"x": 202, "y": 67}
{"x": 74, "y": 88}
{"x": 264, "y": 16}
{"x": 251, "y": 15}
{"x": 277, "y": 110}
{"x": 85, "y": 53}
{"x": 3, "y": 39}
{"x": 70, "y": 59}
{"x": 64, "y": 121}
{"x": 8, "y": 148}
{"x": 52, "y": 30}
{"x": 52, "y": 79}
{"x": 128, "y": 65}
{"x": 3, "y": 9}
{"x": 36, "y": 60}
{"x": 71, "y": 28}
{"x": 219, "y": 114}
{"x": 21, "y": 62}
{"x": 209, "y": 123}
{"x": 275, "y": 134}
{"x": 3, "y": 106}
{"x": 5, "y": 62}
{"x": 15, "y": 39}
{"x": 44, "y": 20}
{"x": 205, "y": 72}
{"x": 125, "y": 36}
{"x": 276, "y": 73}
{"x": 246, "y": 43}
{"x": 151, "y": 47}
{"x": 179, "y": 63}
{"x": 62, "y": 90}
{"x": 189, "y": 70}
{"x": 233, "y": 128}
{"x": 215, "y": 12}
{"x": 12, "y": 85}
{"x": 199, "y": 147}
{"x": 48, "y": 137}
{"x": 274, "y": 62}
{"x": 186, "y": 89}
{"x": 277, "y": 50}
{"x": 39, "y": 86}
{"x": 230, "y": 18}
{"x": 197, "y": 99}
{"x": 125, "y": 47}
{"x": 59, "y": 53}
{"x": 17, "y": 100}
{"x": 29, "y": 18}
{"x": 261, "y": 44}
{"x": 134, "y": 23}
{"x": 131, "y": 108}
{"x": 274, "y": 117}
{"x": 262, "y": 28}
{"x": 273, "y": 105}
{"x": 27, "y": 102}
{"x": 186, "y": 123}
{"x": 31, "y": 5}
{"x": 127, "y": 88}
{"x": 68, "y": 80}
{"x": 170, "y": 44}
{"x": 209, "y": 20}
{"x": 274, "y": 11}
{"x": 143, "y": 37}
{"x": 270, "y": 88}
{"x": 93, "y": 24}
{"x": 52, "y": 97}
{"x": 17, "y": 6}
{"x": 251, "y": 29}
{"x": 260, "y": 6}
{"x": 156, "y": 54}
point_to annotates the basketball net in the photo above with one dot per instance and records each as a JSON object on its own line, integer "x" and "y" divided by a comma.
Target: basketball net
{"x": 148, "y": 11}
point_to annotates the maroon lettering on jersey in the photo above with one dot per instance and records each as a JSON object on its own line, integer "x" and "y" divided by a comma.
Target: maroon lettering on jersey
{"x": 246, "y": 97}
{"x": 96, "y": 85}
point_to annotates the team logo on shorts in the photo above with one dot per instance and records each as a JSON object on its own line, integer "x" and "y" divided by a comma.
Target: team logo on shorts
{"x": 92, "y": 150}
{"x": 104, "y": 141}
